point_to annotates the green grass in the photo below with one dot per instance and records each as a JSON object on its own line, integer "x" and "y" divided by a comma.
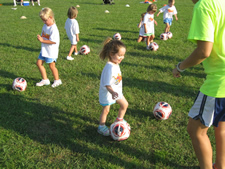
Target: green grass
{"x": 56, "y": 128}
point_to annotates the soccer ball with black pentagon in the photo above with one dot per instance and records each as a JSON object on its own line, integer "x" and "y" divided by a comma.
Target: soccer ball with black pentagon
{"x": 162, "y": 110}
{"x": 120, "y": 130}
{"x": 19, "y": 84}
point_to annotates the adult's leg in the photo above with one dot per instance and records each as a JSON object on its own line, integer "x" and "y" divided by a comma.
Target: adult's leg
{"x": 220, "y": 145}
{"x": 201, "y": 143}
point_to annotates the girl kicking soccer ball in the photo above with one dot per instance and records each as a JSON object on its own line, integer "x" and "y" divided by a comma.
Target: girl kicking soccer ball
{"x": 110, "y": 90}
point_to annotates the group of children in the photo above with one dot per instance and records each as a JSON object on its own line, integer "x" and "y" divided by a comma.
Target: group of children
{"x": 147, "y": 22}
{"x": 110, "y": 90}
{"x": 50, "y": 40}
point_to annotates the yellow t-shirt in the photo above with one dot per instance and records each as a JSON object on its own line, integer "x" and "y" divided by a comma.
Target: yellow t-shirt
{"x": 208, "y": 24}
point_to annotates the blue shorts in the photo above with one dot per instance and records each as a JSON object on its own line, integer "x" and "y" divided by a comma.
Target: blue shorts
{"x": 209, "y": 110}
{"x": 47, "y": 60}
{"x": 108, "y": 104}
{"x": 168, "y": 20}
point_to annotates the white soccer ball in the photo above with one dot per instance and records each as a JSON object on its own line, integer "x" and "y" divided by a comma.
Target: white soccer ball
{"x": 84, "y": 50}
{"x": 154, "y": 46}
{"x": 120, "y": 130}
{"x": 164, "y": 36}
{"x": 169, "y": 35}
{"x": 117, "y": 36}
{"x": 19, "y": 84}
{"x": 162, "y": 110}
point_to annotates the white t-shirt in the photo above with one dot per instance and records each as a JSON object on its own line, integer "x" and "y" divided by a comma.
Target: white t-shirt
{"x": 72, "y": 28}
{"x": 142, "y": 29}
{"x": 111, "y": 76}
{"x": 50, "y": 33}
{"x": 149, "y": 21}
{"x": 168, "y": 11}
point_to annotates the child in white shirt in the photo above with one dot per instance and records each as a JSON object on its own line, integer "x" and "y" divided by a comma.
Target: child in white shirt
{"x": 49, "y": 39}
{"x": 72, "y": 31}
{"x": 168, "y": 12}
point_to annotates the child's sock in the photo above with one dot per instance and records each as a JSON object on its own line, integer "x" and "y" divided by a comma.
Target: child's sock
{"x": 119, "y": 119}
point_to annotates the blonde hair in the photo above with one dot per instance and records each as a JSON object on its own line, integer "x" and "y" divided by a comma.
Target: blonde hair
{"x": 72, "y": 12}
{"x": 45, "y": 13}
{"x": 110, "y": 47}
{"x": 152, "y": 7}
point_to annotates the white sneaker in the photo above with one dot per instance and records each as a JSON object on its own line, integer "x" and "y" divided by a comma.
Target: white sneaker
{"x": 33, "y": 3}
{"x": 56, "y": 83}
{"x": 69, "y": 58}
{"x": 75, "y": 53}
{"x": 39, "y": 4}
{"x": 147, "y": 48}
{"x": 43, "y": 82}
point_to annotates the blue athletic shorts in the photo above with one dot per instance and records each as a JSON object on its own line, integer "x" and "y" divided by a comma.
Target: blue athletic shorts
{"x": 168, "y": 20}
{"x": 47, "y": 60}
{"x": 209, "y": 110}
{"x": 108, "y": 104}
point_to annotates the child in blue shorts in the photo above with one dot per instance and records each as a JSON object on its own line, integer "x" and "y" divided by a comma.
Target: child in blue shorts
{"x": 168, "y": 12}
{"x": 49, "y": 39}
{"x": 110, "y": 90}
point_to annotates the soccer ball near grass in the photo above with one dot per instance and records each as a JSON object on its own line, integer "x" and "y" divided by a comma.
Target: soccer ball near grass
{"x": 169, "y": 35}
{"x": 19, "y": 84}
{"x": 117, "y": 36}
{"x": 154, "y": 46}
{"x": 84, "y": 50}
{"x": 164, "y": 36}
{"x": 120, "y": 130}
{"x": 162, "y": 110}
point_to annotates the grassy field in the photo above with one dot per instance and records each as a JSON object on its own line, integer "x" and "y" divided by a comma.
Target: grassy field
{"x": 47, "y": 127}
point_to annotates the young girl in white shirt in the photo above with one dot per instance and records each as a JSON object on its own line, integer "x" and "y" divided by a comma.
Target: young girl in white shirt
{"x": 49, "y": 39}
{"x": 110, "y": 90}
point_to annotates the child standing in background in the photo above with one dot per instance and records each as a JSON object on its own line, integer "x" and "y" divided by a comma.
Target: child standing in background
{"x": 142, "y": 29}
{"x": 110, "y": 90}
{"x": 168, "y": 12}
{"x": 72, "y": 30}
{"x": 49, "y": 39}
{"x": 149, "y": 24}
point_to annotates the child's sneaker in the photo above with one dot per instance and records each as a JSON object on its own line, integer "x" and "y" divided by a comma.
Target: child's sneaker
{"x": 76, "y": 53}
{"x": 103, "y": 130}
{"x": 69, "y": 58}
{"x": 43, "y": 82}
{"x": 147, "y": 48}
{"x": 56, "y": 83}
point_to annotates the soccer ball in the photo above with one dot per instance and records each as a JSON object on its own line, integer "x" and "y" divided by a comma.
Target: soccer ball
{"x": 164, "y": 36}
{"x": 162, "y": 110}
{"x": 117, "y": 36}
{"x": 84, "y": 50}
{"x": 154, "y": 46}
{"x": 120, "y": 130}
{"x": 19, "y": 84}
{"x": 169, "y": 35}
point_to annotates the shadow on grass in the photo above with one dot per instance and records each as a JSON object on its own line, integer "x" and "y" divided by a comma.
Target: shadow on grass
{"x": 168, "y": 68}
{"x": 49, "y": 125}
{"x": 19, "y": 47}
{"x": 160, "y": 87}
